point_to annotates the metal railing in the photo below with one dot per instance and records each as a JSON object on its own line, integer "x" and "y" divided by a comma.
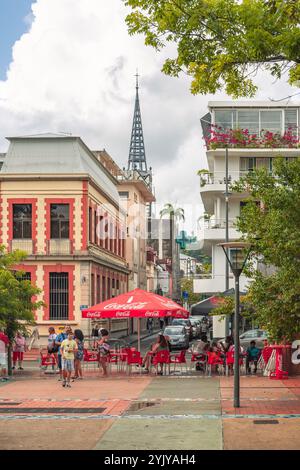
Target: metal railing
{"x": 25, "y": 244}
{"x": 218, "y": 223}
{"x": 219, "y": 177}
{"x": 59, "y": 247}
{"x": 210, "y": 276}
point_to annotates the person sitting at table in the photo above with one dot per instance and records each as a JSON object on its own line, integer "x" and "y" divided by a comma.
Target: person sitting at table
{"x": 227, "y": 344}
{"x": 160, "y": 345}
{"x": 200, "y": 346}
{"x": 253, "y": 354}
{"x": 199, "y": 350}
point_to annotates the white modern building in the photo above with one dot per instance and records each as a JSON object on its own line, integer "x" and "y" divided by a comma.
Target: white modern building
{"x": 258, "y": 117}
{"x": 188, "y": 265}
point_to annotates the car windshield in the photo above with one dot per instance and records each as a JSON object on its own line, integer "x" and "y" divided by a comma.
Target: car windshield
{"x": 173, "y": 331}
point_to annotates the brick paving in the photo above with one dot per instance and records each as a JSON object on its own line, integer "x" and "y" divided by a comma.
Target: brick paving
{"x": 179, "y": 400}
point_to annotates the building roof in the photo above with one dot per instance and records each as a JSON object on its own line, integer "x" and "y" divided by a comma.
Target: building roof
{"x": 253, "y": 104}
{"x": 60, "y": 154}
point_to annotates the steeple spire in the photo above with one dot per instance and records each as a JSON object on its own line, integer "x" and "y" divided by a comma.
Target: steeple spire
{"x": 137, "y": 155}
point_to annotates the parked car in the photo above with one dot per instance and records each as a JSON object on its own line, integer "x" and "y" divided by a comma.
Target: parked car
{"x": 177, "y": 336}
{"x": 196, "y": 327}
{"x": 253, "y": 335}
{"x": 184, "y": 322}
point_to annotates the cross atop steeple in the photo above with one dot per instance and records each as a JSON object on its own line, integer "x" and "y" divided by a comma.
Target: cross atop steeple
{"x": 137, "y": 79}
{"x": 137, "y": 155}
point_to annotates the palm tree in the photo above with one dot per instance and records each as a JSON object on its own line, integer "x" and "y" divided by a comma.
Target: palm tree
{"x": 174, "y": 214}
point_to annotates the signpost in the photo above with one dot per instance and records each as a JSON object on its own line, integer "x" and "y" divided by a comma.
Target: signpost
{"x": 185, "y": 296}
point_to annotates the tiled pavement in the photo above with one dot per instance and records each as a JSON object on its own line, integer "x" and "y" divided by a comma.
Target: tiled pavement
{"x": 142, "y": 412}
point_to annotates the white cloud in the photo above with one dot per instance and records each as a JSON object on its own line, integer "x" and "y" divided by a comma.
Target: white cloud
{"x": 73, "y": 71}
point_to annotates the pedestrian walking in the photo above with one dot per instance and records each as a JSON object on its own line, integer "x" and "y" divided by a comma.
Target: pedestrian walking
{"x": 52, "y": 346}
{"x": 150, "y": 325}
{"x": 68, "y": 350}
{"x": 4, "y": 342}
{"x": 161, "y": 323}
{"x": 104, "y": 349}
{"x": 18, "y": 350}
{"x": 58, "y": 341}
{"x": 95, "y": 335}
{"x": 79, "y": 338}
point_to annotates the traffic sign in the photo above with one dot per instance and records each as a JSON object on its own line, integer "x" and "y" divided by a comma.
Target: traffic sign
{"x": 185, "y": 294}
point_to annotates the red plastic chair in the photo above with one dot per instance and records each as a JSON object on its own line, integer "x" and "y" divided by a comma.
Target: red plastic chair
{"x": 201, "y": 358}
{"x": 90, "y": 357}
{"x": 178, "y": 359}
{"x": 161, "y": 357}
{"x": 230, "y": 361}
{"x": 133, "y": 358}
{"x": 47, "y": 359}
{"x": 214, "y": 359}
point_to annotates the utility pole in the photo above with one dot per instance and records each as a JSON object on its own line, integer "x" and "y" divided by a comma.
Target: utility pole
{"x": 227, "y": 217}
{"x": 227, "y": 232}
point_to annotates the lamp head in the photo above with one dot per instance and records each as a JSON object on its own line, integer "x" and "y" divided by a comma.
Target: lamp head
{"x": 237, "y": 254}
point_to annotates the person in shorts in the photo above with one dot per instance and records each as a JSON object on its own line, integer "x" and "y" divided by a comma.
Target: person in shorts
{"x": 58, "y": 341}
{"x": 104, "y": 350}
{"x": 18, "y": 350}
{"x": 79, "y": 338}
{"x": 68, "y": 350}
{"x": 4, "y": 341}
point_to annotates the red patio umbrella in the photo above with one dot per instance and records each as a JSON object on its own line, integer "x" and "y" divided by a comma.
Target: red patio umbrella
{"x": 137, "y": 303}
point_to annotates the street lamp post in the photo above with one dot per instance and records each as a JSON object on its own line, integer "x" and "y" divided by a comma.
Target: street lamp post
{"x": 237, "y": 254}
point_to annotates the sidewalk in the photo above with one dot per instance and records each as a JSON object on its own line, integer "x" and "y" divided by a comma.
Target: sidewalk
{"x": 149, "y": 412}
{"x": 133, "y": 339}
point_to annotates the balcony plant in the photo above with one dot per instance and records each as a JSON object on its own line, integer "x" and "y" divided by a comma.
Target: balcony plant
{"x": 242, "y": 138}
{"x": 204, "y": 175}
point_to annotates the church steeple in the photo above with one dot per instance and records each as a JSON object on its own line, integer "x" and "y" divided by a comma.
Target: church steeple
{"x": 137, "y": 155}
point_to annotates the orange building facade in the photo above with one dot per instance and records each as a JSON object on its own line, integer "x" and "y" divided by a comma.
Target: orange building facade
{"x": 60, "y": 205}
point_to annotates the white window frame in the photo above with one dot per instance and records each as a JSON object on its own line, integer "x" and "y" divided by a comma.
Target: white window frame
{"x": 236, "y": 110}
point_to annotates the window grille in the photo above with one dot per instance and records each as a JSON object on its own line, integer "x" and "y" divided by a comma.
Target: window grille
{"x": 59, "y": 296}
{"x": 22, "y": 276}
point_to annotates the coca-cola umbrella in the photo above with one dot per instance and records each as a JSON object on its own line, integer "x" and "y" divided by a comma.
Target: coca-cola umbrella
{"x": 137, "y": 303}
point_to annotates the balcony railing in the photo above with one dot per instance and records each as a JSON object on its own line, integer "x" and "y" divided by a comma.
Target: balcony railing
{"x": 59, "y": 247}
{"x": 218, "y": 223}
{"x": 211, "y": 276}
{"x": 219, "y": 177}
{"x": 25, "y": 244}
{"x": 136, "y": 175}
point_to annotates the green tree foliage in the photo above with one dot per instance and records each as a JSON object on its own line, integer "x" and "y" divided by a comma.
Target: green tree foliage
{"x": 187, "y": 285}
{"x": 222, "y": 43}
{"x": 17, "y": 298}
{"x": 273, "y": 228}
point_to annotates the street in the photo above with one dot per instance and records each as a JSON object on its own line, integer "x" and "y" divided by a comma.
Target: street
{"x": 147, "y": 412}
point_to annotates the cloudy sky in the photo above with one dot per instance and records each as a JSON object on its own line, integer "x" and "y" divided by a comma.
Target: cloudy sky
{"x": 69, "y": 65}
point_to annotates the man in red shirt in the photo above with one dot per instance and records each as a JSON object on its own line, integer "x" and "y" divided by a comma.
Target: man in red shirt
{"x": 4, "y": 341}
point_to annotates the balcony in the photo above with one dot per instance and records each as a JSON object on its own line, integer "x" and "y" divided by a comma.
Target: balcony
{"x": 212, "y": 231}
{"x": 218, "y": 179}
{"x": 26, "y": 245}
{"x": 59, "y": 247}
{"x": 242, "y": 138}
{"x": 218, "y": 223}
{"x": 216, "y": 283}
